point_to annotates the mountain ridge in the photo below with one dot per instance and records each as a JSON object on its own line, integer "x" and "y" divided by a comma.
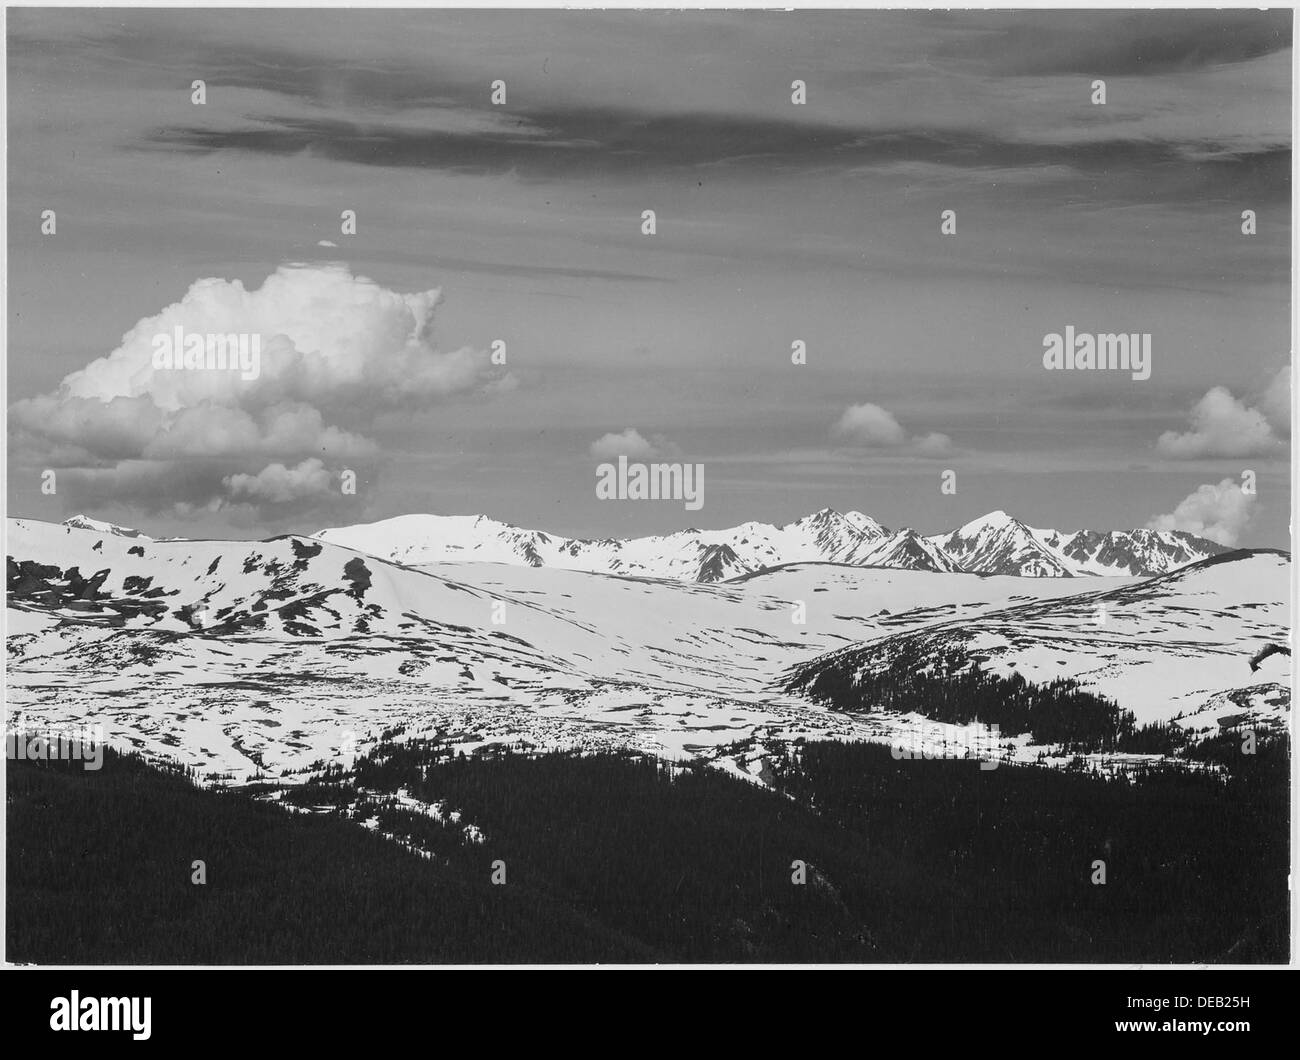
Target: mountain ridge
{"x": 1156, "y": 646}
{"x": 996, "y": 543}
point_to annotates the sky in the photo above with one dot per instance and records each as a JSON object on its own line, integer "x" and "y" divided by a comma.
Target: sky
{"x": 521, "y": 223}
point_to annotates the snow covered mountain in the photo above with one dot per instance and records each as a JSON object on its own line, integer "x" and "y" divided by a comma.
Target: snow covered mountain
{"x": 997, "y": 543}
{"x": 690, "y": 555}
{"x": 1128, "y": 551}
{"x": 85, "y": 522}
{"x": 908, "y": 550}
{"x": 1183, "y": 646}
{"x": 242, "y": 658}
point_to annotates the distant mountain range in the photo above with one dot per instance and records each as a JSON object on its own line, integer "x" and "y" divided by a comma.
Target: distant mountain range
{"x": 997, "y": 543}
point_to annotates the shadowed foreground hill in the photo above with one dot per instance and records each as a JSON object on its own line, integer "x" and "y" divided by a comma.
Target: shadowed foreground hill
{"x": 617, "y": 858}
{"x": 100, "y": 872}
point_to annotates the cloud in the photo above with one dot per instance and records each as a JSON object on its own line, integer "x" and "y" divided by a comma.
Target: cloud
{"x": 295, "y": 86}
{"x": 870, "y": 425}
{"x": 1220, "y": 513}
{"x": 1223, "y": 426}
{"x": 633, "y": 445}
{"x": 873, "y": 427}
{"x": 278, "y": 484}
{"x": 933, "y": 443}
{"x": 335, "y": 349}
{"x": 1275, "y": 402}
{"x": 616, "y": 141}
{"x": 1119, "y": 43}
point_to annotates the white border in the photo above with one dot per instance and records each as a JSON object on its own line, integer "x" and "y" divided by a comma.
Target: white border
{"x": 633, "y": 5}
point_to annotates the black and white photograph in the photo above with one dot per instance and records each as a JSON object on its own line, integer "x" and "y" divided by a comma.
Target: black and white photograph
{"x": 640, "y": 487}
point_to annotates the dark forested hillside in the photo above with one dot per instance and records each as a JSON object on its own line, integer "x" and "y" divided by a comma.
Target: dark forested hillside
{"x": 101, "y": 864}
{"x": 623, "y": 858}
{"x": 951, "y": 688}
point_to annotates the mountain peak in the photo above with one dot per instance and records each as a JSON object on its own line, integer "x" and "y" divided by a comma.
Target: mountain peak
{"x": 85, "y": 522}
{"x": 821, "y": 515}
{"x": 834, "y": 517}
{"x": 993, "y": 521}
{"x": 863, "y": 522}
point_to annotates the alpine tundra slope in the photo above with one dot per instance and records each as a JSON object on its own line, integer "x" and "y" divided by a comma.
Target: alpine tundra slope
{"x": 246, "y": 658}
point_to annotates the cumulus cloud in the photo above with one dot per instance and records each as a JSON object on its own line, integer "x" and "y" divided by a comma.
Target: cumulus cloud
{"x": 335, "y": 349}
{"x": 934, "y": 442}
{"x": 876, "y": 428}
{"x": 1223, "y": 426}
{"x": 871, "y": 425}
{"x": 633, "y": 445}
{"x": 1275, "y": 402}
{"x": 1218, "y": 512}
{"x": 278, "y": 484}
